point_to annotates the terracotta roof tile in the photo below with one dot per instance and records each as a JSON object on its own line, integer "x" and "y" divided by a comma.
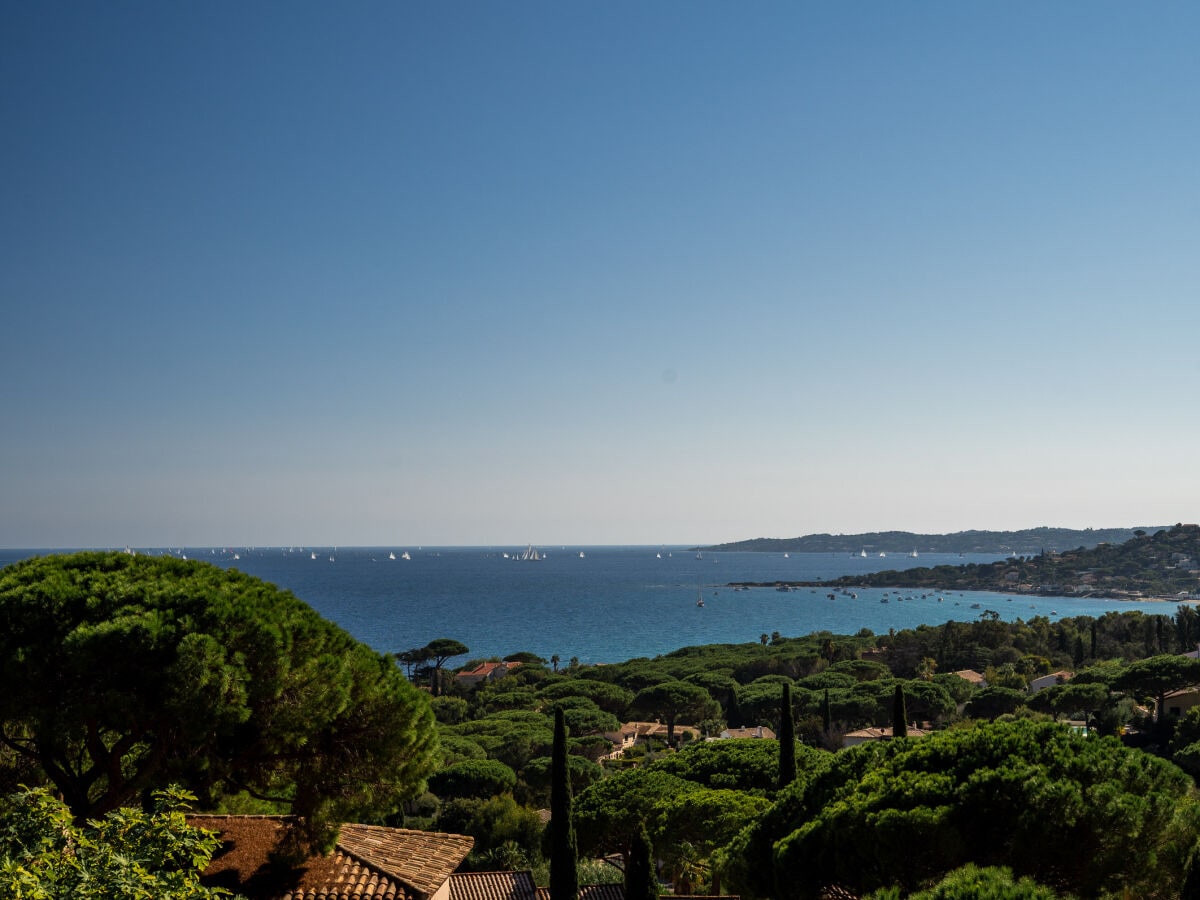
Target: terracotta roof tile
{"x": 592, "y": 892}
{"x": 370, "y": 862}
{"x": 493, "y": 886}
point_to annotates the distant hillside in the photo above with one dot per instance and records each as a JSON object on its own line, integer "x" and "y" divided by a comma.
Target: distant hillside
{"x": 1163, "y": 564}
{"x": 1026, "y": 541}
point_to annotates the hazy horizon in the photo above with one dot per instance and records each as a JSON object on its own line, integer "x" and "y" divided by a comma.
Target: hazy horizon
{"x": 454, "y": 275}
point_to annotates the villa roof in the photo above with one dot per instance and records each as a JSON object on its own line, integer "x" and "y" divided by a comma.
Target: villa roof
{"x": 592, "y": 892}
{"x": 758, "y": 731}
{"x": 879, "y": 734}
{"x": 493, "y": 886}
{"x": 369, "y": 862}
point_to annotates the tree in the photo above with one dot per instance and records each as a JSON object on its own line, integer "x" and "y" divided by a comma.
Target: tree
{"x": 125, "y": 673}
{"x": 126, "y": 855}
{"x": 1031, "y": 795}
{"x": 993, "y": 702}
{"x": 473, "y": 778}
{"x": 440, "y": 650}
{"x": 674, "y": 701}
{"x": 640, "y": 883}
{"x": 1159, "y": 675}
{"x": 787, "y": 740}
{"x": 899, "y": 714}
{"x": 974, "y": 883}
{"x": 564, "y": 855}
{"x": 609, "y": 813}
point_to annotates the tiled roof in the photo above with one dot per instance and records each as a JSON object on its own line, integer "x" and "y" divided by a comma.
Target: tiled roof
{"x": 423, "y": 859}
{"x": 369, "y": 862}
{"x": 875, "y": 734}
{"x": 592, "y": 892}
{"x": 493, "y": 886}
{"x": 758, "y": 731}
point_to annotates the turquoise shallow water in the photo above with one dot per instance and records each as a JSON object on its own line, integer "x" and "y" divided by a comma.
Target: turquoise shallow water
{"x": 611, "y": 604}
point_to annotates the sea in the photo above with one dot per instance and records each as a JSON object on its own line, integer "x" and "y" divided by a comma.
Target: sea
{"x": 607, "y": 604}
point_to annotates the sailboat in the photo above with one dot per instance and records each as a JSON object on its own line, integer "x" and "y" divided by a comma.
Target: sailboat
{"x": 863, "y": 552}
{"x": 405, "y": 555}
{"x": 392, "y": 555}
{"x": 530, "y": 554}
{"x": 914, "y": 554}
{"x": 699, "y": 596}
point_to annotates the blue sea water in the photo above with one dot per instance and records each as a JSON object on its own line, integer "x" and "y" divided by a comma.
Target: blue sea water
{"x": 611, "y": 603}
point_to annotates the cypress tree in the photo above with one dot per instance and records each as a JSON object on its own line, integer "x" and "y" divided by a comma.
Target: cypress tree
{"x": 564, "y": 854}
{"x": 899, "y": 714}
{"x": 787, "y": 740}
{"x": 826, "y": 714}
{"x": 640, "y": 883}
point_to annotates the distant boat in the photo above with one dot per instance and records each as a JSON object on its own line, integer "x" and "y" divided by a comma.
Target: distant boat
{"x": 314, "y": 556}
{"x": 699, "y": 596}
{"x": 581, "y": 554}
{"x": 392, "y": 555}
{"x": 785, "y": 556}
{"x": 863, "y": 552}
{"x": 914, "y": 554}
{"x": 699, "y": 555}
{"x": 530, "y": 554}
{"x": 331, "y": 558}
{"x": 882, "y": 555}
{"x": 405, "y": 555}
{"x": 658, "y": 556}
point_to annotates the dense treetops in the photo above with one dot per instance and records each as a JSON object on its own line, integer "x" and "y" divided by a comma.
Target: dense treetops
{"x": 123, "y": 673}
{"x": 1066, "y": 810}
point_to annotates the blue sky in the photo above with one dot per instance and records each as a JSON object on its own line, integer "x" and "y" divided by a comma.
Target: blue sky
{"x": 484, "y": 273}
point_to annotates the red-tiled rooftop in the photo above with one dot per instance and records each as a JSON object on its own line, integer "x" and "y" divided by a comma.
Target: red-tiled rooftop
{"x": 493, "y": 886}
{"x": 369, "y": 862}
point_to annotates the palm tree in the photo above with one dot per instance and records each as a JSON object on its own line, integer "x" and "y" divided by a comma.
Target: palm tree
{"x": 554, "y": 661}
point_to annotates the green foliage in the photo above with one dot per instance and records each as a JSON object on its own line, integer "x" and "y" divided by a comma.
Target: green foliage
{"x": 1057, "y": 807}
{"x": 640, "y": 883}
{"x": 609, "y": 813}
{"x": 974, "y": 883}
{"x": 450, "y": 710}
{"x": 750, "y": 765}
{"x": 993, "y": 702}
{"x": 609, "y": 697}
{"x": 493, "y": 822}
{"x": 473, "y": 778}
{"x": 787, "y": 740}
{"x": 583, "y": 772}
{"x": 564, "y": 853}
{"x": 123, "y": 673}
{"x": 514, "y": 737}
{"x": 676, "y": 701}
{"x": 899, "y": 714}
{"x": 126, "y": 855}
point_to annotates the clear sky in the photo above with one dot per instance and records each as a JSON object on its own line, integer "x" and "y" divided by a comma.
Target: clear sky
{"x": 622, "y": 272}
